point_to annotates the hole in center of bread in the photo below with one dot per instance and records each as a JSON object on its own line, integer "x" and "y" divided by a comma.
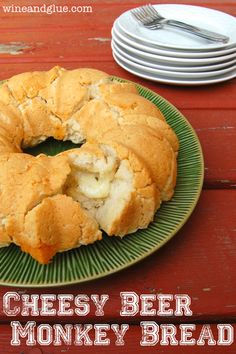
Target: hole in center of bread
{"x": 50, "y": 147}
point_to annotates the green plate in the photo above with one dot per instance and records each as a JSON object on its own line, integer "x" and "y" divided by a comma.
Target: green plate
{"x": 113, "y": 254}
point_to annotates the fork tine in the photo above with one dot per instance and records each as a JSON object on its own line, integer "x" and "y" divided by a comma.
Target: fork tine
{"x": 140, "y": 15}
{"x": 141, "y": 18}
{"x": 145, "y": 14}
{"x": 136, "y": 14}
{"x": 152, "y": 11}
{"x": 148, "y": 12}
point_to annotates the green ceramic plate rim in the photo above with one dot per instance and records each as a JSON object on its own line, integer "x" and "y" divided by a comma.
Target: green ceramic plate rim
{"x": 159, "y": 245}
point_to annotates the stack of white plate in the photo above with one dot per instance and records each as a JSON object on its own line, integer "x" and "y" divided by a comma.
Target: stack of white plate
{"x": 173, "y": 56}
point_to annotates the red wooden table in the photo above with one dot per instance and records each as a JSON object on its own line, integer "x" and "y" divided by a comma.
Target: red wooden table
{"x": 201, "y": 259}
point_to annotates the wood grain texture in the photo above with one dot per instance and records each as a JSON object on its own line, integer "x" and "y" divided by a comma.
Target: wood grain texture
{"x": 200, "y": 261}
{"x": 216, "y": 129}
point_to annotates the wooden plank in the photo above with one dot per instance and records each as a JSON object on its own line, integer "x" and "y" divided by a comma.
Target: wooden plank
{"x": 131, "y": 345}
{"x": 199, "y": 261}
{"x": 216, "y": 130}
{"x": 73, "y": 43}
{"x": 103, "y": 12}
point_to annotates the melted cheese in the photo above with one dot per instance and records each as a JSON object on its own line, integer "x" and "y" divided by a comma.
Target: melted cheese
{"x": 94, "y": 185}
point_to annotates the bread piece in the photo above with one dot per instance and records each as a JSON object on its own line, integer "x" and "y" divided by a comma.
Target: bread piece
{"x": 24, "y": 182}
{"x": 96, "y": 117}
{"x": 113, "y": 185}
{"x": 153, "y": 149}
{"x": 5, "y": 239}
{"x": 68, "y": 93}
{"x": 39, "y": 123}
{"x": 99, "y": 115}
{"x": 5, "y": 94}
{"x": 131, "y": 103}
{"x": 11, "y": 129}
{"x": 6, "y": 145}
{"x": 88, "y": 76}
{"x": 93, "y": 120}
{"x": 57, "y": 224}
{"x": 160, "y": 126}
{"x": 23, "y": 92}
{"x": 27, "y": 85}
{"x": 57, "y": 102}
{"x": 111, "y": 87}
{"x": 65, "y": 95}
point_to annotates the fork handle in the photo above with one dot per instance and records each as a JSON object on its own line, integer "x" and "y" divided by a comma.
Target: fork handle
{"x": 197, "y": 31}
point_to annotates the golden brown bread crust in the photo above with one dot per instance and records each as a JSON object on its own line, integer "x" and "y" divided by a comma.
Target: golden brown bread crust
{"x": 11, "y": 129}
{"x": 158, "y": 125}
{"x": 30, "y": 188}
{"x": 65, "y": 226}
{"x": 96, "y": 117}
{"x": 154, "y": 149}
{"x": 28, "y": 84}
{"x": 55, "y": 96}
{"x": 78, "y": 105}
{"x": 25, "y": 181}
{"x": 131, "y": 103}
{"x": 115, "y": 88}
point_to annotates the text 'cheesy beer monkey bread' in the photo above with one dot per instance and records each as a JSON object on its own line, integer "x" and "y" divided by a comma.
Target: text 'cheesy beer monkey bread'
{"x": 114, "y": 182}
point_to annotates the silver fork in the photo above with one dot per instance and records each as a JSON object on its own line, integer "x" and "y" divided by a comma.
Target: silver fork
{"x": 148, "y": 16}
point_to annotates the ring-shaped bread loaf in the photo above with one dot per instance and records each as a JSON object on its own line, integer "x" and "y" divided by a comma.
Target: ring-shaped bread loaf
{"x": 114, "y": 182}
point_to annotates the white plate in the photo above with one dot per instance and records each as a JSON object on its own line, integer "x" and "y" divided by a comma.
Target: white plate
{"x": 168, "y": 80}
{"x": 170, "y": 37}
{"x": 171, "y": 60}
{"x": 157, "y": 66}
{"x": 174, "y": 74}
{"x": 150, "y": 48}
